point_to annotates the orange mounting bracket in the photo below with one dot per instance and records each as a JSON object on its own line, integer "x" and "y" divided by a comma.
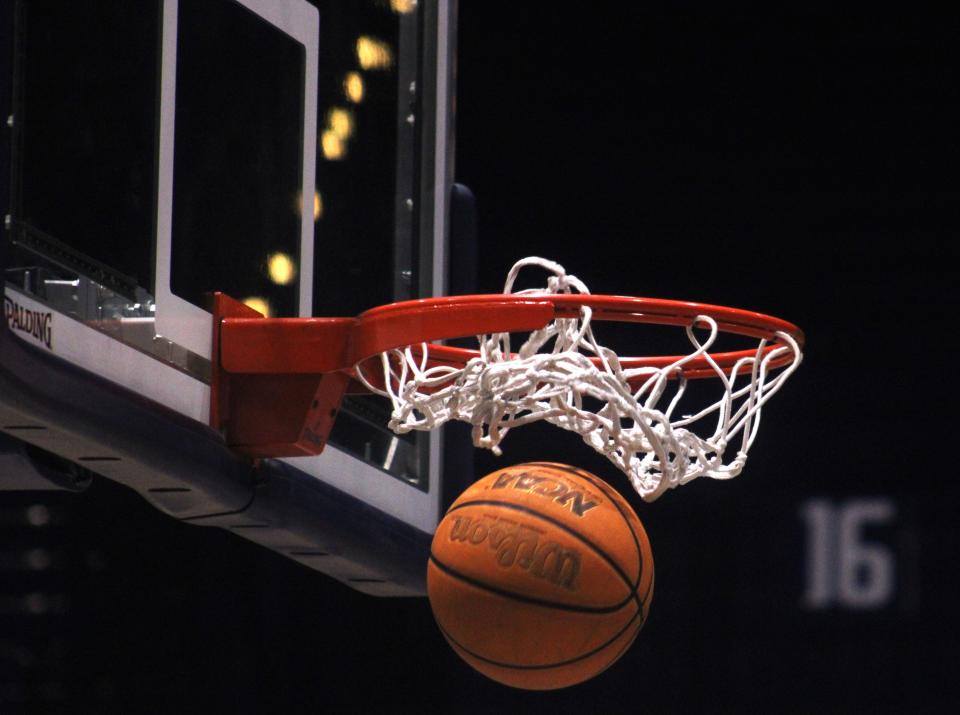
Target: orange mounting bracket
{"x": 266, "y": 399}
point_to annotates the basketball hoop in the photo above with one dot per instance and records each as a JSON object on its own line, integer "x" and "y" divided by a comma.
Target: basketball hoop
{"x": 637, "y": 420}
{"x": 636, "y": 411}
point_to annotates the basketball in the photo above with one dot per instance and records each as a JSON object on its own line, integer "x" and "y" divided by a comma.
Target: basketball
{"x": 540, "y": 576}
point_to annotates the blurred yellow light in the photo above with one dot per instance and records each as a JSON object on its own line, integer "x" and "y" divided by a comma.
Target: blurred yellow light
{"x": 403, "y": 7}
{"x": 317, "y": 205}
{"x": 353, "y": 87}
{"x": 332, "y": 145}
{"x": 258, "y": 304}
{"x": 373, "y": 54}
{"x": 281, "y": 268}
{"x": 340, "y": 121}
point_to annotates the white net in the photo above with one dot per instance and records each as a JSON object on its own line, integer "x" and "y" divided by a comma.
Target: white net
{"x": 637, "y": 418}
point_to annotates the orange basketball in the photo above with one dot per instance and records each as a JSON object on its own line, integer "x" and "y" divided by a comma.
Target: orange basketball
{"x": 540, "y": 575}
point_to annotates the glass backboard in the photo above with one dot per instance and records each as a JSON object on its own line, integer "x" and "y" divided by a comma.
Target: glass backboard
{"x": 295, "y": 155}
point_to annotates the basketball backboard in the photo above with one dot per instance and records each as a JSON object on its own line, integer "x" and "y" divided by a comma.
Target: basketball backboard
{"x": 295, "y": 155}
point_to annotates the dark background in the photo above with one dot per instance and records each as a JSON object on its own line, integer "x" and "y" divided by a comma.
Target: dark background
{"x": 798, "y": 164}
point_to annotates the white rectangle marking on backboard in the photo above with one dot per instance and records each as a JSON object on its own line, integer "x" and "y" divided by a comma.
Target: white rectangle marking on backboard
{"x": 179, "y": 320}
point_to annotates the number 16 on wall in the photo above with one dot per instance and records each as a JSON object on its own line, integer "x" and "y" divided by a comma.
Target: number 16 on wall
{"x": 843, "y": 567}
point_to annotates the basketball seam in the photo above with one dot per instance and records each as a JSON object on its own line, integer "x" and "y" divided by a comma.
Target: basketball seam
{"x": 483, "y": 585}
{"x": 631, "y": 588}
{"x": 626, "y": 646}
{"x": 558, "y": 664}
